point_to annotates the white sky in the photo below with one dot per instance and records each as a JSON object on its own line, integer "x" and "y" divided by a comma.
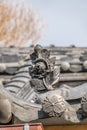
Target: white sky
{"x": 66, "y": 21}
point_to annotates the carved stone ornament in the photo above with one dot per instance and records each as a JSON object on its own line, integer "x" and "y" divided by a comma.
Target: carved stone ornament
{"x": 40, "y": 90}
